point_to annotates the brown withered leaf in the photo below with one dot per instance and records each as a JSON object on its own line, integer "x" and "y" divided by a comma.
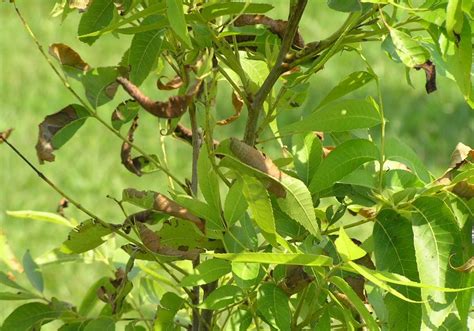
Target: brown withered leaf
{"x": 68, "y": 57}
{"x": 51, "y": 134}
{"x": 63, "y": 204}
{"x": 173, "y": 84}
{"x": 254, "y": 158}
{"x": 277, "y": 27}
{"x": 237, "y": 103}
{"x": 460, "y": 154}
{"x": 168, "y": 206}
{"x": 430, "y": 73}
{"x": 149, "y": 238}
{"x": 464, "y": 189}
{"x": 126, "y": 151}
{"x": 296, "y": 280}
{"x": 468, "y": 266}
{"x": 5, "y": 134}
{"x": 174, "y": 107}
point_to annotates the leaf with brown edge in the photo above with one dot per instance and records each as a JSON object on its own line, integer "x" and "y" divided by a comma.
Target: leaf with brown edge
{"x": 124, "y": 113}
{"x": 466, "y": 267}
{"x": 126, "y": 150}
{"x": 57, "y": 129}
{"x": 277, "y": 27}
{"x": 173, "y": 84}
{"x": 5, "y": 134}
{"x": 148, "y": 237}
{"x": 238, "y": 103}
{"x": 68, "y": 57}
{"x": 430, "y": 73}
{"x": 255, "y": 159}
{"x": 174, "y": 107}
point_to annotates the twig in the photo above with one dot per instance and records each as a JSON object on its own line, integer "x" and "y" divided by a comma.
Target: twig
{"x": 296, "y": 12}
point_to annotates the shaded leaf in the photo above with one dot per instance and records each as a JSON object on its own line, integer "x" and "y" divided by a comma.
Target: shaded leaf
{"x": 27, "y": 316}
{"x": 206, "y": 272}
{"x": 33, "y": 272}
{"x": 173, "y": 108}
{"x": 214, "y": 10}
{"x": 221, "y": 297}
{"x": 101, "y": 323}
{"x": 182, "y": 235}
{"x": 170, "y": 303}
{"x": 237, "y": 103}
{"x": 354, "y": 81}
{"x": 174, "y": 10}
{"x": 310, "y": 260}
{"x": 273, "y": 306}
{"x": 98, "y": 15}
{"x": 86, "y": 236}
{"x": 208, "y": 181}
{"x": 468, "y": 266}
{"x": 57, "y": 129}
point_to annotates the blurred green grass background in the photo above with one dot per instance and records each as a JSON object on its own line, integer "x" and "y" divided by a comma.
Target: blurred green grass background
{"x": 88, "y": 167}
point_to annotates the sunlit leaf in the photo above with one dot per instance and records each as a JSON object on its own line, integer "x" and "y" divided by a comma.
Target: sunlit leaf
{"x": 206, "y": 272}
{"x": 346, "y": 248}
{"x": 310, "y": 260}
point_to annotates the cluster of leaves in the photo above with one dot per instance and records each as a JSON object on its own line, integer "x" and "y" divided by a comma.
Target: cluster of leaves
{"x": 253, "y": 240}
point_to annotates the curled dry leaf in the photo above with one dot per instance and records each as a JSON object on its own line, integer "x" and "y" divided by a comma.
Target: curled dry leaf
{"x": 277, "y": 27}
{"x": 144, "y": 216}
{"x": 149, "y": 238}
{"x": 174, "y": 107}
{"x": 5, "y": 134}
{"x": 254, "y": 158}
{"x": 430, "y": 73}
{"x": 173, "y": 84}
{"x": 124, "y": 113}
{"x": 68, "y": 57}
{"x": 57, "y": 129}
{"x": 466, "y": 267}
{"x": 132, "y": 165}
{"x": 237, "y": 103}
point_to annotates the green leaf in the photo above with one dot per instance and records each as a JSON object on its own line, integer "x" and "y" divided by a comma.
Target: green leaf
{"x": 170, "y": 303}
{"x": 86, "y": 236}
{"x": 454, "y": 18}
{"x": 241, "y": 236}
{"x": 235, "y": 204}
{"x": 14, "y": 296}
{"x": 5, "y": 280}
{"x": 273, "y": 306}
{"x": 345, "y": 5}
{"x": 176, "y": 233}
{"x": 346, "y": 248}
{"x": 436, "y": 237}
{"x": 98, "y": 16}
{"x": 100, "y": 85}
{"x": 40, "y": 216}
{"x": 25, "y": 317}
{"x": 7, "y": 255}
{"x": 221, "y": 297}
{"x": 174, "y": 10}
{"x": 307, "y": 155}
{"x": 247, "y": 275}
{"x": 310, "y": 260}
{"x": 338, "y": 116}
{"x": 102, "y": 323}
{"x": 33, "y": 272}
{"x": 211, "y": 11}
{"x": 56, "y": 129}
{"x": 351, "y": 83}
{"x": 408, "y": 49}
{"x": 209, "y": 181}
{"x": 356, "y": 301}
{"x": 342, "y": 161}
{"x": 204, "y": 211}
{"x": 206, "y": 272}
{"x": 298, "y": 204}
{"x": 395, "y": 252}
{"x": 124, "y": 113}
{"x": 144, "y": 50}
{"x": 397, "y": 151}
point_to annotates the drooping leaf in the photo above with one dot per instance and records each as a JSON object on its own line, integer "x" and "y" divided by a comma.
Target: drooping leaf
{"x": 436, "y": 238}
{"x": 235, "y": 204}
{"x": 349, "y": 84}
{"x": 345, "y": 5}
{"x": 174, "y": 10}
{"x": 342, "y": 161}
{"x": 57, "y": 129}
{"x": 100, "y": 85}
{"x": 221, "y": 297}
{"x": 69, "y": 59}
{"x": 178, "y": 234}
{"x": 395, "y": 252}
{"x": 237, "y": 103}
{"x": 468, "y": 266}
{"x": 206, "y": 272}
{"x": 98, "y": 15}
{"x": 338, "y": 116}
{"x": 86, "y": 236}
{"x": 33, "y": 272}
{"x": 27, "y": 316}
{"x": 310, "y": 260}
{"x": 307, "y": 155}
{"x": 173, "y": 84}
{"x": 430, "y": 73}
{"x": 149, "y": 238}
{"x": 273, "y": 306}
{"x": 346, "y": 248}
{"x": 144, "y": 50}
{"x": 408, "y": 49}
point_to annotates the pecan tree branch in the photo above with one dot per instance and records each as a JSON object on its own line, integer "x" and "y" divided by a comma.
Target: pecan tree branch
{"x": 296, "y": 12}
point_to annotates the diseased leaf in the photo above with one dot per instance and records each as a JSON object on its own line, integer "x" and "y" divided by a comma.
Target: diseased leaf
{"x": 183, "y": 235}
{"x": 27, "y": 316}
{"x": 237, "y": 103}
{"x": 273, "y": 306}
{"x": 342, "y": 161}
{"x": 174, "y": 10}
{"x": 98, "y": 15}
{"x": 100, "y": 85}
{"x": 338, "y": 116}
{"x": 206, "y": 272}
{"x": 214, "y": 225}
{"x": 310, "y": 260}
{"x": 173, "y": 84}
{"x": 57, "y": 129}
{"x": 468, "y": 266}
{"x": 124, "y": 113}
{"x": 149, "y": 238}
{"x": 33, "y": 272}
{"x": 144, "y": 50}
{"x": 8, "y": 280}
{"x": 86, "y": 236}
{"x": 173, "y": 108}
{"x": 430, "y": 73}
{"x": 68, "y": 57}
{"x": 130, "y": 164}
